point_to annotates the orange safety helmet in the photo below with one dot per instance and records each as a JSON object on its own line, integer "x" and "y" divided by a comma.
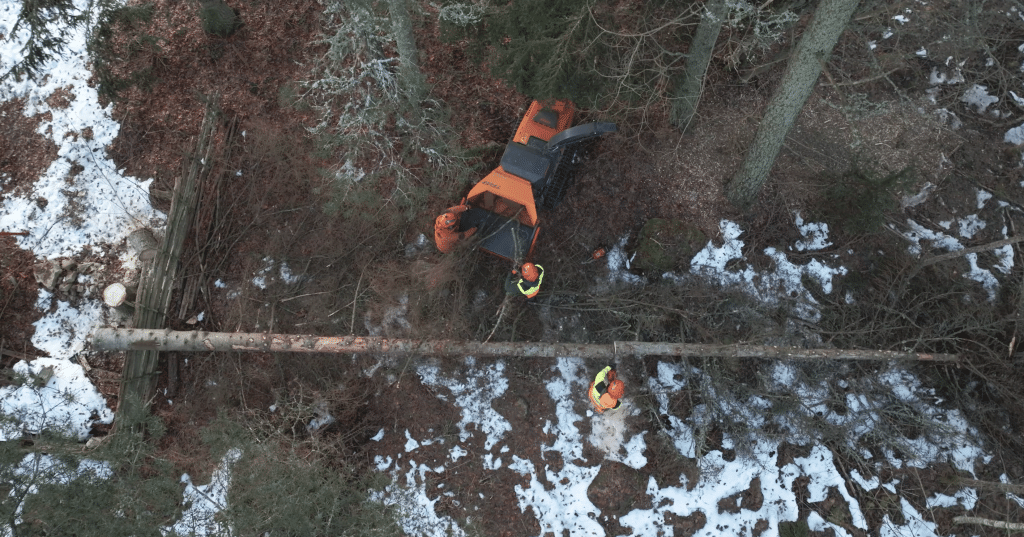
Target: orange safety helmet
{"x": 530, "y": 272}
{"x": 617, "y": 389}
{"x": 445, "y": 220}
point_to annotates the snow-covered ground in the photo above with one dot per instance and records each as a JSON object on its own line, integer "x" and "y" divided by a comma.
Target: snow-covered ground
{"x": 97, "y": 206}
{"x": 559, "y": 499}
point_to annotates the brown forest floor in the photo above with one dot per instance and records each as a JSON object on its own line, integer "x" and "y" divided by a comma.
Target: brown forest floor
{"x": 641, "y": 173}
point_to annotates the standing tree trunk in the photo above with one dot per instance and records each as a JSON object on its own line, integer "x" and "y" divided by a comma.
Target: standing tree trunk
{"x": 408, "y": 55}
{"x": 691, "y": 82}
{"x": 810, "y": 55}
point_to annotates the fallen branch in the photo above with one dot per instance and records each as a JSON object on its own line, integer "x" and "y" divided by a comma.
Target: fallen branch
{"x": 16, "y": 354}
{"x": 1011, "y": 526}
{"x": 971, "y": 250}
{"x": 111, "y": 339}
{"x": 991, "y": 485}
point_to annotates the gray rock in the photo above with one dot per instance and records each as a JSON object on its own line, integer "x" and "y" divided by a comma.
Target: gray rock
{"x": 47, "y": 273}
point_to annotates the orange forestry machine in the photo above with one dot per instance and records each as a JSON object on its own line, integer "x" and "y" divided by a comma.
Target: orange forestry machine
{"x": 536, "y": 169}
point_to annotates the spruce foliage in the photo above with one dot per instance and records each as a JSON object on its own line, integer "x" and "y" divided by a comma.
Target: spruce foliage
{"x": 218, "y": 18}
{"x": 858, "y": 200}
{"x": 548, "y": 50}
{"x": 47, "y": 23}
{"x": 57, "y": 488}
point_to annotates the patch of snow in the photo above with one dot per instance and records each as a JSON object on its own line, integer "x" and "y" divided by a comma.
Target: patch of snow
{"x": 88, "y": 202}
{"x": 1017, "y": 99}
{"x": 939, "y": 77}
{"x": 1015, "y": 135}
{"x": 977, "y": 97}
{"x": 970, "y": 225}
{"x": 608, "y": 435}
{"x": 377, "y": 437}
{"x": 415, "y": 510}
{"x": 866, "y": 484}
{"x": 786, "y": 280}
{"x": 965, "y": 498}
{"x": 816, "y": 523}
{"x": 938, "y": 240}
{"x": 1004, "y": 479}
{"x": 66, "y": 402}
{"x": 920, "y": 197}
{"x": 821, "y": 470}
{"x": 618, "y": 264}
{"x": 204, "y": 502}
{"x": 915, "y": 524}
{"x": 982, "y": 197}
{"x": 473, "y": 394}
{"x": 63, "y": 332}
{"x": 37, "y": 469}
{"x": 982, "y": 276}
{"x": 815, "y": 235}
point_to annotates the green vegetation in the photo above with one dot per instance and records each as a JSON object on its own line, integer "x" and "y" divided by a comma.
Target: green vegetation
{"x": 111, "y": 61}
{"x": 666, "y": 245}
{"x": 44, "y": 20}
{"x": 858, "y": 200}
{"x": 384, "y": 142}
{"x": 120, "y": 488}
{"x": 218, "y": 18}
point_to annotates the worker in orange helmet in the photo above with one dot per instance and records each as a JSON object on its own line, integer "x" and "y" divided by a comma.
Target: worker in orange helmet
{"x": 606, "y": 390}
{"x": 526, "y": 280}
{"x": 446, "y": 234}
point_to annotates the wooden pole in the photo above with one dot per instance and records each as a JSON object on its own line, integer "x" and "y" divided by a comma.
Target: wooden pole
{"x": 120, "y": 339}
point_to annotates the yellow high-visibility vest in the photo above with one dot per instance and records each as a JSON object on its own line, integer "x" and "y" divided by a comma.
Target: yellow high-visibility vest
{"x": 534, "y": 288}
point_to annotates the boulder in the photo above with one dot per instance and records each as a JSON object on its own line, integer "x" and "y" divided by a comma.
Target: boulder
{"x": 618, "y": 489}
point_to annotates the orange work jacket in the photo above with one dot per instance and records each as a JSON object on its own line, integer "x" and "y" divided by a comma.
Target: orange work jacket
{"x": 602, "y": 401}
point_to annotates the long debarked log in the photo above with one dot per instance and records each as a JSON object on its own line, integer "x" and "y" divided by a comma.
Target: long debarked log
{"x": 123, "y": 339}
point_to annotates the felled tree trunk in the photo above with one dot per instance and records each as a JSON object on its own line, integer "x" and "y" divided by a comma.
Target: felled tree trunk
{"x": 112, "y": 339}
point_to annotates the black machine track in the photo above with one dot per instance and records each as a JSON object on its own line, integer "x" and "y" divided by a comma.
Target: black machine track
{"x": 574, "y": 143}
{"x": 555, "y": 189}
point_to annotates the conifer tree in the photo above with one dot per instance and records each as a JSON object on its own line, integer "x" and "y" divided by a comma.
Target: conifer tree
{"x": 810, "y": 55}
{"x": 698, "y": 58}
{"x": 547, "y": 50}
{"x": 46, "y": 23}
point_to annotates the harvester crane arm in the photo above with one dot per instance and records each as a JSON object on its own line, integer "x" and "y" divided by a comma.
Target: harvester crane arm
{"x": 579, "y": 133}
